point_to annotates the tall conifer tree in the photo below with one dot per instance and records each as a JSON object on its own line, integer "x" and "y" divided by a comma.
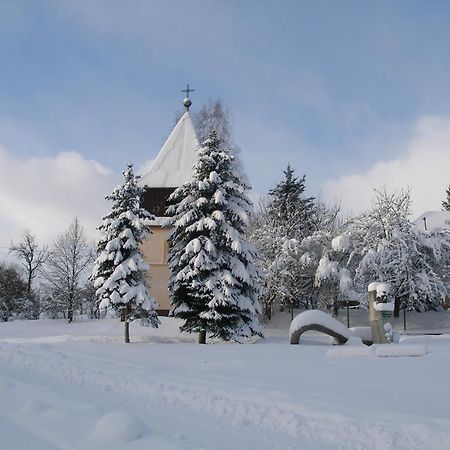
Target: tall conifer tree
{"x": 213, "y": 275}
{"x": 120, "y": 272}
{"x": 446, "y": 203}
{"x": 291, "y": 210}
{"x": 283, "y": 222}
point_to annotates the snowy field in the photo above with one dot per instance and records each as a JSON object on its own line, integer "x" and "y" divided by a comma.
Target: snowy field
{"x": 79, "y": 387}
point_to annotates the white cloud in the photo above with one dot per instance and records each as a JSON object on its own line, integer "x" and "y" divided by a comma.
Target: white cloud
{"x": 44, "y": 194}
{"x": 422, "y": 165}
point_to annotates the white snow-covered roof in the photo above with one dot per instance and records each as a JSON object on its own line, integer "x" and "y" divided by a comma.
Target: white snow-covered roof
{"x": 173, "y": 165}
{"x": 434, "y": 219}
{"x": 162, "y": 222}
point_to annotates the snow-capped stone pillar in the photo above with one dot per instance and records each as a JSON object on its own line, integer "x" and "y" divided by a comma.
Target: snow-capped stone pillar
{"x": 378, "y": 304}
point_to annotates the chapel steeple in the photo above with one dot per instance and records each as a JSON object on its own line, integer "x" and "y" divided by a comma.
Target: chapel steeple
{"x": 173, "y": 166}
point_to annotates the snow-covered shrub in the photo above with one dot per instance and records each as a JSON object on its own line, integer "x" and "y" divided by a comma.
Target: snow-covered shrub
{"x": 385, "y": 245}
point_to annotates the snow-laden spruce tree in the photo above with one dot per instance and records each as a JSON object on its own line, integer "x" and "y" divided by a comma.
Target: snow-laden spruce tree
{"x": 446, "y": 202}
{"x": 119, "y": 272}
{"x": 283, "y": 220}
{"x": 290, "y": 208}
{"x": 213, "y": 281}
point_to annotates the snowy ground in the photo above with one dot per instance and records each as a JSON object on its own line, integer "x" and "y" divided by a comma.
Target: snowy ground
{"x": 79, "y": 387}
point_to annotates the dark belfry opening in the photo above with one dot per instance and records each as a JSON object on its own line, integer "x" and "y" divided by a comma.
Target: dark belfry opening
{"x": 155, "y": 199}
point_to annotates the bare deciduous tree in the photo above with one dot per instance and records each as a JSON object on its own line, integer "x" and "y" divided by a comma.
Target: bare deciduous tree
{"x": 68, "y": 267}
{"x": 31, "y": 257}
{"x": 214, "y": 116}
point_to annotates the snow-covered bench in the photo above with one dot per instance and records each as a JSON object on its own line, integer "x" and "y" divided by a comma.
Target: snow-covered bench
{"x": 318, "y": 321}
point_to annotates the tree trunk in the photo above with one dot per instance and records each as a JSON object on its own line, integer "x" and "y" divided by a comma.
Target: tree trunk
{"x": 36, "y": 306}
{"x": 202, "y": 333}
{"x": 335, "y": 307}
{"x": 29, "y": 284}
{"x": 127, "y": 324}
{"x": 127, "y": 331}
{"x": 267, "y": 312}
{"x": 70, "y": 310}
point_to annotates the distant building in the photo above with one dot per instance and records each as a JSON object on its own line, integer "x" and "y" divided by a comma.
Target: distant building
{"x": 172, "y": 167}
{"x": 430, "y": 221}
{"x": 433, "y": 219}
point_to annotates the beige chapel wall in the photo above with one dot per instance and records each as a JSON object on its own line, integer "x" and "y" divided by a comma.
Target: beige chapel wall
{"x": 155, "y": 250}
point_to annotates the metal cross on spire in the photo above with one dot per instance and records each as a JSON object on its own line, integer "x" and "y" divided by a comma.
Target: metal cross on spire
{"x": 187, "y": 102}
{"x": 188, "y": 90}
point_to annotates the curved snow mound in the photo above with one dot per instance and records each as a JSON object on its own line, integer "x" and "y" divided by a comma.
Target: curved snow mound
{"x": 119, "y": 426}
{"x": 319, "y": 321}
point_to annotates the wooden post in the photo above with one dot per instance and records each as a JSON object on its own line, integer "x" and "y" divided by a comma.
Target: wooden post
{"x": 398, "y": 302}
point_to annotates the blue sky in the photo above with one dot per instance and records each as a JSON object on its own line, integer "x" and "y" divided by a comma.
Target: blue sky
{"x": 333, "y": 87}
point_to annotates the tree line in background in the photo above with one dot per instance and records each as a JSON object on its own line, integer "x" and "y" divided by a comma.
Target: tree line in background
{"x": 50, "y": 282}
{"x": 307, "y": 257}
{"x": 225, "y": 258}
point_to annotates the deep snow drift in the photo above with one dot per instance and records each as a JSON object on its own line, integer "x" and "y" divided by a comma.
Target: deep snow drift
{"x": 79, "y": 387}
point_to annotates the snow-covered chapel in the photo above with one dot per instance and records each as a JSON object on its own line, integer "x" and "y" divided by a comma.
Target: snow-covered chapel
{"x": 172, "y": 167}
